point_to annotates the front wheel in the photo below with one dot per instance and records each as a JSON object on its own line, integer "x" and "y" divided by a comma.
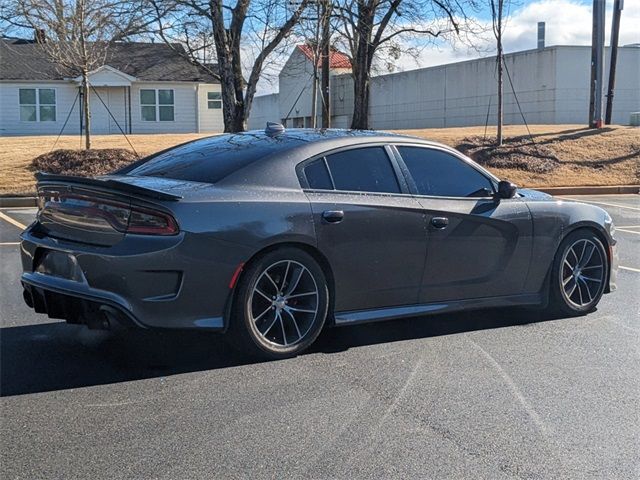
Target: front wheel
{"x": 579, "y": 274}
{"x": 281, "y": 304}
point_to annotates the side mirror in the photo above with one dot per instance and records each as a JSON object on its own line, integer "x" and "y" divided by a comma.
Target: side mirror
{"x": 506, "y": 189}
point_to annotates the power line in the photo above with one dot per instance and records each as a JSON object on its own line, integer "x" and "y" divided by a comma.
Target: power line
{"x": 524, "y": 120}
{"x": 66, "y": 121}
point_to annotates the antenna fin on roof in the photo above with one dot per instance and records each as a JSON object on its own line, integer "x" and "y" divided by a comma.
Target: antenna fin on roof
{"x": 274, "y": 128}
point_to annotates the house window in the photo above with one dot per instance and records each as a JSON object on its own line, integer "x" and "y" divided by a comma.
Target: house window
{"x": 37, "y": 105}
{"x": 214, "y": 100}
{"x": 156, "y": 105}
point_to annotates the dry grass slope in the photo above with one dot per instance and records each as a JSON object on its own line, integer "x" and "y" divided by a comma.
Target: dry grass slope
{"x": 571, "y": 154}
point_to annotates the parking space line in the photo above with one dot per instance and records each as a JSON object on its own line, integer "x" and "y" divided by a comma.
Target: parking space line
{"x": 601, "y": 203}
{"x": 5, "y": 244}
{"x": 637, "y": 270}
{"x": 626, "y": 231}
{"x": 13, "y": 222}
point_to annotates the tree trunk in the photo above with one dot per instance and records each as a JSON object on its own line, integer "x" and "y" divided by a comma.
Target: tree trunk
{"x": 233, "y": 108}
{"x": 362, "y": 62}
{"x": 85, "y": 109}
{"x": 500, "y": 97}
{"x": 361, "y": 87}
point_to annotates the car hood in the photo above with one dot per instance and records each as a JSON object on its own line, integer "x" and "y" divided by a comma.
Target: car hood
{"x": 533, "y": 195}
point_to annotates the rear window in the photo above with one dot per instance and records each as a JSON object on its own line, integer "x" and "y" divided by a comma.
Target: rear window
{"x": 211, "y": 159}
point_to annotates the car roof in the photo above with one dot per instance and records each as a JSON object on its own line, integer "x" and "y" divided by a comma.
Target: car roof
{"x": 292, "y": 146}
{"x": 265, "y": 158}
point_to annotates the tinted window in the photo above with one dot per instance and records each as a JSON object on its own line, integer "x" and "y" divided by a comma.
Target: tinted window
{"x": 318, "y": 176}
{"x": 440, "y": 174}
{"x": 211, "y": 159}
{"x": 363, "y": 170}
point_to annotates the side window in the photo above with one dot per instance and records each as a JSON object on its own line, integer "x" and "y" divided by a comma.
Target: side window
{"x": 363, "y": 170}
{"x": 440, "y": 174}
{"x": 214, "y": 100}
{"x": 318, "y": 176}
{"x": 37, "y": 104}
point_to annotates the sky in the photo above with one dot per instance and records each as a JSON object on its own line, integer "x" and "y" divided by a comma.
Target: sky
{"x": 568, "y": 22}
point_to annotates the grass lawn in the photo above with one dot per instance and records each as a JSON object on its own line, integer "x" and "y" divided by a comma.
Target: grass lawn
{"x": 610, "y": 156}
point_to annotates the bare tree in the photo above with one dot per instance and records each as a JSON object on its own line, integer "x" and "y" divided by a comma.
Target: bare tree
{"x": 371, "y": 26}
{"x": 233, "y": 30}
{"x": 75, "y": 35}
{"x": 497, "y": 12}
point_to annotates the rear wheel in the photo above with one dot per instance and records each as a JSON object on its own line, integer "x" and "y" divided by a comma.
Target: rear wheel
{"x": 281, "y": 304}
{"x": 579, "y": 274}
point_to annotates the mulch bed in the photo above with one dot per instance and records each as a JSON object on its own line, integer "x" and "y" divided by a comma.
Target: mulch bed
{"x": 517, "y": 153}
{"x": 83, "y": 163}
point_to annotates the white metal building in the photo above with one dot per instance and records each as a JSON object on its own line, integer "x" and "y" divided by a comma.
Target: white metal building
{"x": 551, "y": 85}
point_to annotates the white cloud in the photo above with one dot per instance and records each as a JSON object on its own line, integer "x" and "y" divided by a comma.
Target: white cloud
{"x": 567, "y": 23}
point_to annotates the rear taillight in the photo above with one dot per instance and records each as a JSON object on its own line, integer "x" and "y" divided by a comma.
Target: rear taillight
{"x": 91, "y": 213}
{"x": 151, "y": 222}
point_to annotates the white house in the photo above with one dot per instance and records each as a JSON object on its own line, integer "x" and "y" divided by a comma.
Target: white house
{"x": 551, "y": 86}
{"x": 141, "y": 88}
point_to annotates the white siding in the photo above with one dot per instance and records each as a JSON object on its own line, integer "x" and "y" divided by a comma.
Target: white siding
{"x": 295, "y": 84}
{"x": 10, "y": 123}
{"x": 185, "y": 108}
{"x": 210, "y": 120}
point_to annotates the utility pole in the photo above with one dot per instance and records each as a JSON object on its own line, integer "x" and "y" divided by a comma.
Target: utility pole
{"x": 500, "y": 59}
{"x": 597, "y": 65}
{"x": 618, "y": 5}
{"x": 325, "y": 55}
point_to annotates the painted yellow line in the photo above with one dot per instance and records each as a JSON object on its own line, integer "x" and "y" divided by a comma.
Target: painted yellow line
{"x": 637, "y": 270}
{"x": 4, "y": 244}
{"x": 601, "y": 203}
{"x": 626, "y": 231}
{"x": 16, "y": 223}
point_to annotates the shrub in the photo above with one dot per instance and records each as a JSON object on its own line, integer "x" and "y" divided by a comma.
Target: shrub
{"x": 83, "y": 163}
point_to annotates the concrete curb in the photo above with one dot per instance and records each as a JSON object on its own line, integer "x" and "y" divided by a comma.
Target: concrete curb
{"x": 17, "y": 202}
{"x": 600, "y": 190}
{"x": 604, "y": 190}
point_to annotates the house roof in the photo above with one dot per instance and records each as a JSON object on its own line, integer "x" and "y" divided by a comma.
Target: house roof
{"x": 337, "y": 59}
{"x": 20, "y": 60}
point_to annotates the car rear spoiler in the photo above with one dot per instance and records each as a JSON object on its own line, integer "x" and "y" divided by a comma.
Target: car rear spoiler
{"x": 49, "y": 178}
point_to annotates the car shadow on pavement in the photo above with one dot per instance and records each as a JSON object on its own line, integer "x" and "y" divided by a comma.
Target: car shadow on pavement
{"x": 56, "y": 356}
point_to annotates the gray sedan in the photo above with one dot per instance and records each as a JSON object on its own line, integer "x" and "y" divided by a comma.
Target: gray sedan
{"x": 269, "y": 236}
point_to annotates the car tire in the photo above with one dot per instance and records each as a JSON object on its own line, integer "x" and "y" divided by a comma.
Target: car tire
{"x": 280, "y": 305}
{"x": 578, "y": 275}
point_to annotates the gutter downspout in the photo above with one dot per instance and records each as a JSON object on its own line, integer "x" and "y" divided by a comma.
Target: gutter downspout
{"x": 197, "y": 108}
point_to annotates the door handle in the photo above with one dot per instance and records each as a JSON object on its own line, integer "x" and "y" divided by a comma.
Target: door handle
{"x": 440, "y": 222}
{"x": 333, "y": 216}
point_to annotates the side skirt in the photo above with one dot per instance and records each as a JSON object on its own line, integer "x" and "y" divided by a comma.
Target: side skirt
{"x": 375, "y": 315}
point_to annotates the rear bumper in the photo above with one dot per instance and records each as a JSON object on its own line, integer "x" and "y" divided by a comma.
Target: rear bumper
{"x": 75, "y": 307}
{"x": 142, "y": 282}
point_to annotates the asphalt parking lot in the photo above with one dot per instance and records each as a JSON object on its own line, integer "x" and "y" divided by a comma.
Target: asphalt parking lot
{"x": 493, "y": 394}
